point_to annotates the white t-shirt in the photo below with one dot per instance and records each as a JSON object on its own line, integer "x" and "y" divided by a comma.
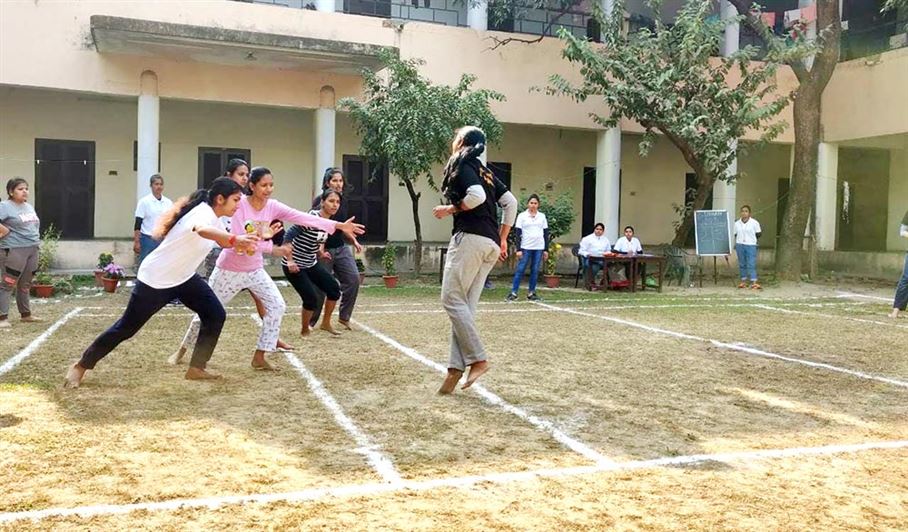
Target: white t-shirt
{"x": 594, "y": 246}
{"x": 532, "y": 230}
{"x": 149, "y": 209}
{"x": 624, "y": 245}
{"x": 182, "y": 250}
{"x": 746, "y": 233}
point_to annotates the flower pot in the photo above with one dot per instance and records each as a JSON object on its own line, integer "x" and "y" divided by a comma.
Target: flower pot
{"x": 110, "y": 285}
{"x": 43, "y": 290}
{"x": 390, "y": 281}
{"x": 552, "y": 280}
{"x": 362, "y": 278}
{"x": 98, "y": 275}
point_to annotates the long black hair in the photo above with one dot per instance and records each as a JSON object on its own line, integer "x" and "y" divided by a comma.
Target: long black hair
{"x": 473, "y": 144}
{"x": 222, "y": 186}
{"x": 232, "y": 165}
{"x": 329, "y": 173}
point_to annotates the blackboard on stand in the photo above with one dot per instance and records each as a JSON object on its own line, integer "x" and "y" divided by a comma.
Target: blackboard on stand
{"x": 712, "y": 234}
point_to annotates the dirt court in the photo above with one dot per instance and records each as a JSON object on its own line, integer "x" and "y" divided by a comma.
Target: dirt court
{"x": 704, "y": 409}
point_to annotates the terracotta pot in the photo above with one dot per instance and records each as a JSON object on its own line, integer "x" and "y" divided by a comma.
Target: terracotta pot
{"x": 110, "y": 285}
{"x": 98, "y": 275}
{"x": 552, "y": 280}
{"x": 362, "y": 278}
{"x": 43, "y": 290}
{"x": 390, "y": 281}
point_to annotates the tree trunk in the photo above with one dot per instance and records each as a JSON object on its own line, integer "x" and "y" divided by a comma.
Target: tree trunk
{"x": 802, "y": 193}
{"x": 704, "y": 187}
{"x": 414, "y": 199}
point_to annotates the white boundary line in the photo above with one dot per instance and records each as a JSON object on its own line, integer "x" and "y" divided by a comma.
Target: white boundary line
{"x": 379, "y": 462}
{"x": 36, "y": 343}
{"x": 875, "y": 298}
{"x": 822, "y": 315}
{"x": 491, "y": 398}
{"x": 735, "y": 347}
{"x": 360, "y": 490}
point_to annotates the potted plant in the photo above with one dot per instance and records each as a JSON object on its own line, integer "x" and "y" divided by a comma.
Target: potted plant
{"x": 361, "y": 268}
{"x": 43, "y": 283}
{"x": 103, "y": 260}
{"x": 551, "y": 279}
{"x": 388, "y": 260}
{"x": 112, "y": 274}
{"x": 64, "y": 286}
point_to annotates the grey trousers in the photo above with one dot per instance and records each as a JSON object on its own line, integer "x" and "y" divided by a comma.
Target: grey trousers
{"x": 17, "y": 267}
{"x": 343, "y": 264}
{"x": 469, "y": 261}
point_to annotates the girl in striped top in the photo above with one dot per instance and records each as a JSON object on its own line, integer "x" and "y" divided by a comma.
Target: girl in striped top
{"x": 303, "y": 270}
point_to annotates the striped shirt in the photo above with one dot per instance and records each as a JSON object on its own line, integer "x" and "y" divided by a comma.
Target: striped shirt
{"x": 305, "y": 242}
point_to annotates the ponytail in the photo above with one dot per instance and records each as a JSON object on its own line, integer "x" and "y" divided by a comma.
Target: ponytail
{"x": 222, "y": 186}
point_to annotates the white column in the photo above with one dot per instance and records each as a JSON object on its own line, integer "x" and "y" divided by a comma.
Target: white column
{"x": 725, "y": 194}
{"x": 478, "y": 14}
{"x": 325, "y": 125}
{"x": 811, "y": 31}
{"x": 827, "y": 185}
{"x": 608, "y": 180}
{"x": 732, "y": 39}
{"x": 326, "y": 6}
{"x": 148, "y": 134}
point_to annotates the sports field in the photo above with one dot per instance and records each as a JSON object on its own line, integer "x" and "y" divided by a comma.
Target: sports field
{"x": 715, "y": 409}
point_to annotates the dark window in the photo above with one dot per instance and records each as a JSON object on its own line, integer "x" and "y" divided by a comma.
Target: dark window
{"x": 65, "y": 186}
{"x": 367, "y": 196}
{"x": 588, "y": 212}
{"x": 503, "y": 172}
{"x": 372, "y": 8}
{"x": 690, "y": 192}
{"x": 135, "y": 156}
{"x": 213, "y": 161}
{"x": 501, "y": 16}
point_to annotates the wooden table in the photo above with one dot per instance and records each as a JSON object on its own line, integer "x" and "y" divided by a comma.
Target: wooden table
{"x": 635, "y": 261}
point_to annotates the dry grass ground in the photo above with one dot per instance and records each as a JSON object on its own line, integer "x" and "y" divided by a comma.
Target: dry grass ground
{"x": 137, "y": 433}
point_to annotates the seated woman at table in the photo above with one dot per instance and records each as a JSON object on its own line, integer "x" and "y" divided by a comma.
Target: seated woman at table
{"x": 629, "y": 245}
{"x": 593, "y": 247}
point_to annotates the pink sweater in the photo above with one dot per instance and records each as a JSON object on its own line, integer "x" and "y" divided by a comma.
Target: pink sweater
{"x": 229, "y": 259}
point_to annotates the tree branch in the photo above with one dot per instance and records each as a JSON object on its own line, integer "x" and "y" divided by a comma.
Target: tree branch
{"x": 768, "y": 38}
{"x": 547, "y": 29}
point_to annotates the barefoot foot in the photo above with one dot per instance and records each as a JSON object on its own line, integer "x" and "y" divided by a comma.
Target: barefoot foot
{"x": 447, "y": 387}
{"x": 74, "y": 376}
{"x": 199, "y": 374}
{"x": 305, "y": 331}
{"x": 894, "y": 314}
{"x": 345, "y": 325}
{"x": 476, "y": 371}
{"x": 262, "y": 365}
{"x": 284, "y": 346}
{"x": 177, "y": 357}
{"x": 330, "y": 329}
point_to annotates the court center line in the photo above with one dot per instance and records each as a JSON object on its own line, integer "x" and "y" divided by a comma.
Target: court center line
{"x": 493, "y": 399}
{"x": 36, "y": 343}
{"x": 735, "y": 347}
{"x": 379, "y": 462}
{"x": 361, "y": 490}
{"x": 823, "y": 315}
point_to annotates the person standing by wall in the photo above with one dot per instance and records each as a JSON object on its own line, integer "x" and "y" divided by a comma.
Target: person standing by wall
{"x": 20, "y": 236}
{"x": 477, "y": 243}
{"x": 532, "y": 240}
{"x": 149, "y": 208}
{"x": 747, "y": 231}
{"x": 901, "y": 291}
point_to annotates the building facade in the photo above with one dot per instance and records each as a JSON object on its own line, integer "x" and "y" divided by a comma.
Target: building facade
{"x": 95, "y": 96}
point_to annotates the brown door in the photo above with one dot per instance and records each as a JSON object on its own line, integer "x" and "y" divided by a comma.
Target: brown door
{"x": 367, "y": 197}
{"x": 65, "y": 186}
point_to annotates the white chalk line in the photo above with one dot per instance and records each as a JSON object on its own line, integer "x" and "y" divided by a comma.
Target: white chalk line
{"x": 379, "y": 462}
{"x": 824, "y": 315}
{"x": 736, "y": 347}
{"x": 372, "y": 489}
{"x": 493, "y": 399}
{"x": 36, "y": 343}
{"x": 864, "y": 296}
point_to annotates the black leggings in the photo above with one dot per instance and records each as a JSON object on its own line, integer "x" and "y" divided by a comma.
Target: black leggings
{"x": 308, "y": 279}
{"x": 146, "y": 301}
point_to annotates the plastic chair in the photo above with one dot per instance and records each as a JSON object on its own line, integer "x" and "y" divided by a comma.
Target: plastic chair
{"x": 575, "y": 251}
{"x": 677, "y": 264}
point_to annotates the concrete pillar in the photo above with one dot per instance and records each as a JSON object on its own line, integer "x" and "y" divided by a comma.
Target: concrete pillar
{"x": 811, "y": 31}
{"x": 608, "y": 180}
{"x": 148, "y": 134}
{"x": 725, "y": 193}
{"x": 732, "y": 38}
{"x": 326, "y": 6}
{"x": 827, "y": 188}
{"x": 478, "y": 14}
{"x": 325, "y": 125}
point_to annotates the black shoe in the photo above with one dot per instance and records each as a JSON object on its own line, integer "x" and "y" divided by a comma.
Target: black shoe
{"x": 511, "y": 297}
{"x": 533, "y": 297}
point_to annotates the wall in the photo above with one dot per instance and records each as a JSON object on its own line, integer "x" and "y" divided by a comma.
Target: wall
{"x": 758, "y": 186}
{"x": 898, "y": 199}
{"x": 867, "y": 172}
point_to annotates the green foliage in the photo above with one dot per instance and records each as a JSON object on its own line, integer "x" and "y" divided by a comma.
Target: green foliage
{"x": 360, "y": 266}
{"x": 406, "y": 123}
{"x": 894, "y": 4}
{"x": 389, "y": 259}
{"x": 551, "y": 262}
{"x": 43, "y": 278}
{"x": 560, "y": 211}
{"x": 670, "y": 81}
{"x": 104, "y": 259}
{"x": 63, "y": 286}
{"x": 48, "y": 250}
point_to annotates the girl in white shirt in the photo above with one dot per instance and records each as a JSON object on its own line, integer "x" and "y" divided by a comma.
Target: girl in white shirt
{"x": 532, "y": 229}
{"x": 629, "y": 245}
{"x": 747, "y": 231}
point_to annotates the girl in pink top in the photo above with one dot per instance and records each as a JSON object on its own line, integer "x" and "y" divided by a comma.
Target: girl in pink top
{"x": 236, "y": 271}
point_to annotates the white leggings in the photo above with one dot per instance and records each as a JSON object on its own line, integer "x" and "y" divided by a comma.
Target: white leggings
{"x": 225, "y": 284}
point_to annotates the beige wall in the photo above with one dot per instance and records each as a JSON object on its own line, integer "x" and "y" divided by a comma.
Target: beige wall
{"x": 898, "y": 199}
{"x": 758, "y": 185}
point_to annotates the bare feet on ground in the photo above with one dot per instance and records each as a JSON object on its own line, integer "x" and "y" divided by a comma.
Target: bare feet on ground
{"x": 74, "y": 376}
{"x": 476, "y": 371}
{"x": 894, "y": 314}
{"x": 284, "y": 346}
{"x": 447, "y": 387}
{"x": 327, "y": 327}
{"x": 199, "y": 374}
{"x": 259, "y": 363}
